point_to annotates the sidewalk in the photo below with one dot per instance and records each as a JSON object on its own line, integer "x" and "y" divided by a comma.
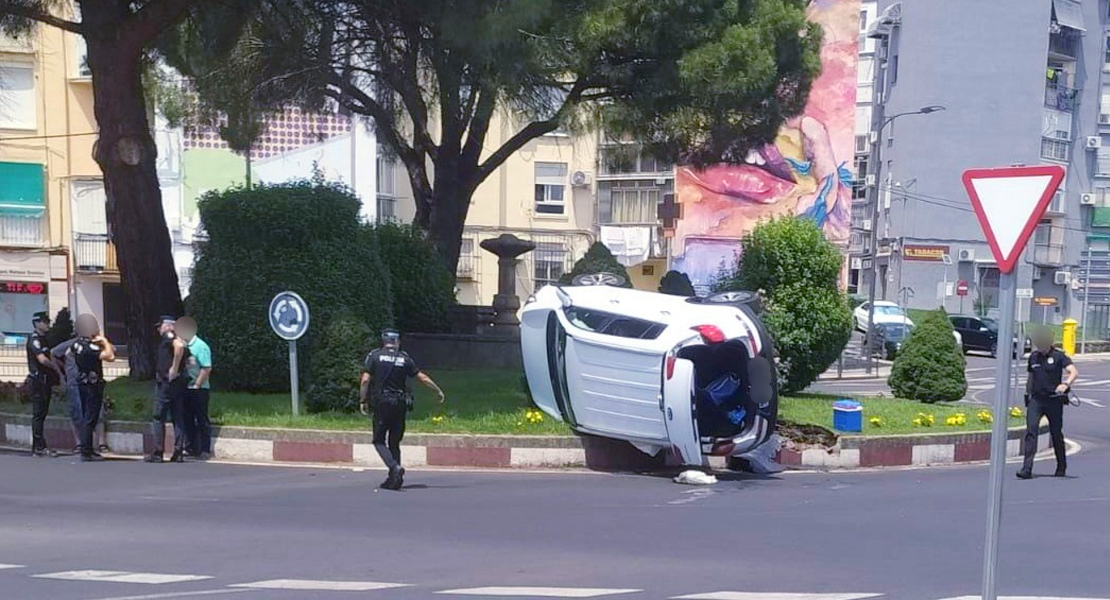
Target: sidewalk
{"x": 881, "y": 371}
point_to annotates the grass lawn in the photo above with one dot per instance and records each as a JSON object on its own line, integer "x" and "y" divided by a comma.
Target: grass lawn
{"x": 493, "y": 401}
{"x": 896, "y": 415}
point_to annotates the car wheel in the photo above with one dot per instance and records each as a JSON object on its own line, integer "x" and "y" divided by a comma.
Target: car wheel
{"x": 592, "y": 279}
{"x": 994, "y": 349}
{"x": 737, "y": 298}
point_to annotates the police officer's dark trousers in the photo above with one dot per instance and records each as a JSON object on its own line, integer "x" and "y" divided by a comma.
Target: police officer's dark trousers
{"x": 40, "y": 407}
{"x": 92, "y": 400}
{"x": 169, "y": 407}
{"x": 389, "y": 428}
{"x": 1054, "y": 410}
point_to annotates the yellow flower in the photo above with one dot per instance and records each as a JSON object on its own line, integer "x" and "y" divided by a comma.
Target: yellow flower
{"x": 876, "y": 422}
{"x": 1016, "y": 412}
{"x": 985, "y": 416}
{"x": 917, "y": 422}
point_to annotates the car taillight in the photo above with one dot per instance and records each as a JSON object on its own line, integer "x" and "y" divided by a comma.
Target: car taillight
{"x": 710, "y": 333}
{"x": 671, "y": 360}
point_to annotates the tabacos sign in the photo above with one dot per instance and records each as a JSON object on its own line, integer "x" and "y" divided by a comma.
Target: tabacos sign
{"x": 924, "y": 253}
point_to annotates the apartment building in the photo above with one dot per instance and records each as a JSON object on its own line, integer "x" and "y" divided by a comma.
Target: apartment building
{"x": 1020, "y": 86}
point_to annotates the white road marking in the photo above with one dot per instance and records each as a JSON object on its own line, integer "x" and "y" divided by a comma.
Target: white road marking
{"x": 218, "y": 592}
{"x": 1094, "y": 403}
{"x": 121, "y": 577}
{"x": 3, "y": 566}
{"x": 320, "y": 586}
{"x": 773, "y": 596}
{"x": 1082, "y": 383}
{"x": 1025, "y": 598}
{"x": 538, "y": 592}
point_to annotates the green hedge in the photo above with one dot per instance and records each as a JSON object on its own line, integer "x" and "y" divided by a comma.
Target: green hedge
{"x": 423, "y": 288}
{"x": 304, "y": 237}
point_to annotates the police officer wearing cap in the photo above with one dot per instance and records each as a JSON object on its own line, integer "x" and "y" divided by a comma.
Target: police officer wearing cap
{"x": 87, "y": 354}
{"x": 169, "y": 392}
{"x": 384, "y": 389}
{"x": 42, "y": 376}
{"x": 1049, "y": 380}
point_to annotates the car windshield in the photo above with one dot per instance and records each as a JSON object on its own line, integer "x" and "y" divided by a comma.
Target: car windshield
{"x": 991, "y": 324}
{"x": 889, "y": 311}
{"x": 611, "y": 324}
{"x": 897, "y": 333}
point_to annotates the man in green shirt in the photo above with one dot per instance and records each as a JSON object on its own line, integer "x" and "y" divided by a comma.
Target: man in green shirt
{"x": 199, "y": 368}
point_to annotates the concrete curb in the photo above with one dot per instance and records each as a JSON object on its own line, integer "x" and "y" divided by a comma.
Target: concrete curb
{"x": 854, "y": 451}
{"x": 354, "y": 448}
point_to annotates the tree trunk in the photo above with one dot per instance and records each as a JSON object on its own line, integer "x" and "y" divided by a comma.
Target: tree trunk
{"x": 447, "y": 216}
{"x": 127, "y": 155}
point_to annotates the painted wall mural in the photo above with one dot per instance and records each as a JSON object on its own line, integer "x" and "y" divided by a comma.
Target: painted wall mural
{"x": 806, "y": 171}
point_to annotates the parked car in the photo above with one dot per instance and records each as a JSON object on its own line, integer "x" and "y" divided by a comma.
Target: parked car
{"x": 885, "y": 312}
{"x": 981, "y": 334}
{"x": 663, "y": 372}
{"x": 888, "y": 339}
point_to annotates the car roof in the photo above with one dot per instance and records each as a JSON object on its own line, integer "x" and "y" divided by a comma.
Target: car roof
{"x": 885, "y": 303}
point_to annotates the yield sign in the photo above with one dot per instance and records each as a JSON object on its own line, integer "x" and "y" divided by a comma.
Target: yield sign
{"x": 1009, "y": 203}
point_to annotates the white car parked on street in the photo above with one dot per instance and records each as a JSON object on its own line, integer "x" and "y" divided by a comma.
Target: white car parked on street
{"x": 695, "y": 376}
{"x": 885, "y": 312}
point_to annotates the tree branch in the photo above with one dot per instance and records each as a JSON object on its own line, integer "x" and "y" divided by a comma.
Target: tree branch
{"x": 154, "y": 17}
{"x": 479, "y": 125}
{"x": 18, "y": 9}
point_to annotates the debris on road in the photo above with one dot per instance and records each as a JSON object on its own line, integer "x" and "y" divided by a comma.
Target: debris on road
{"x": 695, "y": 478}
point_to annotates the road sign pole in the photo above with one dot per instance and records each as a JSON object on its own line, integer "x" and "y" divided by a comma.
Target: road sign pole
{"x": 1006, "y": 292}
{"x": 294, "y": 384}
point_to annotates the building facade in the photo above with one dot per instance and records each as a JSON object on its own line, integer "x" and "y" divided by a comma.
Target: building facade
{"x": 1023, "y": 86}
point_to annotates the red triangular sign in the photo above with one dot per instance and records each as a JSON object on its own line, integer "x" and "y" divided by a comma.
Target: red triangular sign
{"x": 1009, "y": 203}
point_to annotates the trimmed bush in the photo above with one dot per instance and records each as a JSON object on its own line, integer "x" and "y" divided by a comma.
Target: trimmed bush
{"x": 676, "y": 284}
{"x": 795, "y": 269}
{"x": 305, "y": 237}
{"x": 336, "y": 364}
{"x": 810, "y": 327}
{"x": 598, "y": 259}
{"x": 930, "y": 366}
{"x": 423, "y": 289}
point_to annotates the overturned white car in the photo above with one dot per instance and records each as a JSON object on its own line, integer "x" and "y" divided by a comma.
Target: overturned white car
{"x": 663, "y": 372}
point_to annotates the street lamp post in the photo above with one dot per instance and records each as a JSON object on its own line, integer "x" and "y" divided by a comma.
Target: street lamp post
{"x": 873, "y": 191}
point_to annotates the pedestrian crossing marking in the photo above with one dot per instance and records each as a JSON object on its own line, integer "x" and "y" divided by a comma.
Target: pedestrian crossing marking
{"x": 121, "y": 577}
{"x": 320, "y": 586}
{"x": 539, "y": 592}
{"x": 774, "y": 596}
{"x": 1025, "y": 598}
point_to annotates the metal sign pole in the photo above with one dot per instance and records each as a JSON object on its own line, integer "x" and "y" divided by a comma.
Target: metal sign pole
{"x": 294, "y": 385}
{"x": 1007, "y": 291}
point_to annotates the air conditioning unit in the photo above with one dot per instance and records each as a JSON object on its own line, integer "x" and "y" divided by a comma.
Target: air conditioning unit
{"x": 1062, "y": 278}
{"x": 1038, "y": 273}
{"x": 1094, "y": 142}
{"x": 869, "y": 180}
{"x": 867, "y": 224}
{"x": 1104, "y": 118}
{"x": 967, "y": 256}
{"x": 580, "y": 178}
{"x": 1087, "y": 199}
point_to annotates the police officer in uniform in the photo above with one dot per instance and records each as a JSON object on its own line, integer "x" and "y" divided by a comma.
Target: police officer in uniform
{"x": 384, "y": 388}
{"x": 1050, "y": 377}
{"x": 169, "y": 392}
{"x": 88, "y": 353}
{"x": 42, "y": 376}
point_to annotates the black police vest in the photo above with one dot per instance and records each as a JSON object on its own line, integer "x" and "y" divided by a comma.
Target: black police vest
{"x": 165, "y": 357}
{"x": 86, "y": 359}
{"x": 36, "y": 345}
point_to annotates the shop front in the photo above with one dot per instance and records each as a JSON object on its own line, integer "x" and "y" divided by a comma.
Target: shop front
{"x": 30, "y": 282}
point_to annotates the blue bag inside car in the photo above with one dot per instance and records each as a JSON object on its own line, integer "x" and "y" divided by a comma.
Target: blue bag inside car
{"x": 723, "y": 390}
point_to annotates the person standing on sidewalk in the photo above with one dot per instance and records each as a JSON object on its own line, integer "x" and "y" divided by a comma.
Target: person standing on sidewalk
{"x": 1049, "y": 380}
{"x": 42, "y": 376}
{"x": 88, "y": 353}
{"x": 169, "y": 393}
{"x": 384, "y": 389}
{"x": 198, "y": 427}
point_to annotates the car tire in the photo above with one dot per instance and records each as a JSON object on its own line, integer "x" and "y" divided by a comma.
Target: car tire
{"x": 993, "y": 350}
{"x": 594, "y": 279}
{"x": 738, "y": 298}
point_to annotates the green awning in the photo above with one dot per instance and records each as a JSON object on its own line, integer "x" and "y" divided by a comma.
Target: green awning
{"x": 22, "y": 190}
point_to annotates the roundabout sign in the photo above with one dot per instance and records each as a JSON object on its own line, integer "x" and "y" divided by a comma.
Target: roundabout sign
{"x": 289, "y": 319}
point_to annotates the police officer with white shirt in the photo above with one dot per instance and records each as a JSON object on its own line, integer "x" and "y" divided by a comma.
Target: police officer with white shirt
{"x": 384, "y": 388}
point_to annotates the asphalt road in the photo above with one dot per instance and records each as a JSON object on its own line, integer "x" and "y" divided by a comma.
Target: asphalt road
{"x": 127, "y": 530}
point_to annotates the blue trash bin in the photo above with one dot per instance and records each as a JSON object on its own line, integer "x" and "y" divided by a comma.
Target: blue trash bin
{"x": 848, "y": 416}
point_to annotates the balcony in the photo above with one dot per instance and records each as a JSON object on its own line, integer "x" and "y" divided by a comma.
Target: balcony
{"x": 94, "y": 253}
{"x": 18, "y": 230}
{"x": 1061, "y": 98}
{"x": 467, "y": 269}
{"x": 1100, "y": 216}
{"x": 1063, "y": 45}
{"x": 1049, "y": 255}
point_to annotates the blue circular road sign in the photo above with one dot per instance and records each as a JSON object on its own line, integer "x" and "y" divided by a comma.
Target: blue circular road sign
{"x": 288, "y": 316}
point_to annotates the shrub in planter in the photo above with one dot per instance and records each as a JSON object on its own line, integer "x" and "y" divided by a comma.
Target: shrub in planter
{"x": 810, "y": 327}
{"x": 930, "y": 366}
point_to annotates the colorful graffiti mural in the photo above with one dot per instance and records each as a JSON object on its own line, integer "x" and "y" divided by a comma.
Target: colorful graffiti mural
{"x": 806, "y": 171}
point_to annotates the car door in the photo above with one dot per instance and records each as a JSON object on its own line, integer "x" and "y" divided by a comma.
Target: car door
{"x": 960, "y": 325}
{"x": 679, "y": 410}
{"x": 612, "y": 382}
{"x": 974, "y": 336}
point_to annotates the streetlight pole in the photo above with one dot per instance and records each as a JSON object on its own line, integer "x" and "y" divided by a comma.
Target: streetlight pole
{"x": 873, "y": 192}
{"x": 1086, "y": 296}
